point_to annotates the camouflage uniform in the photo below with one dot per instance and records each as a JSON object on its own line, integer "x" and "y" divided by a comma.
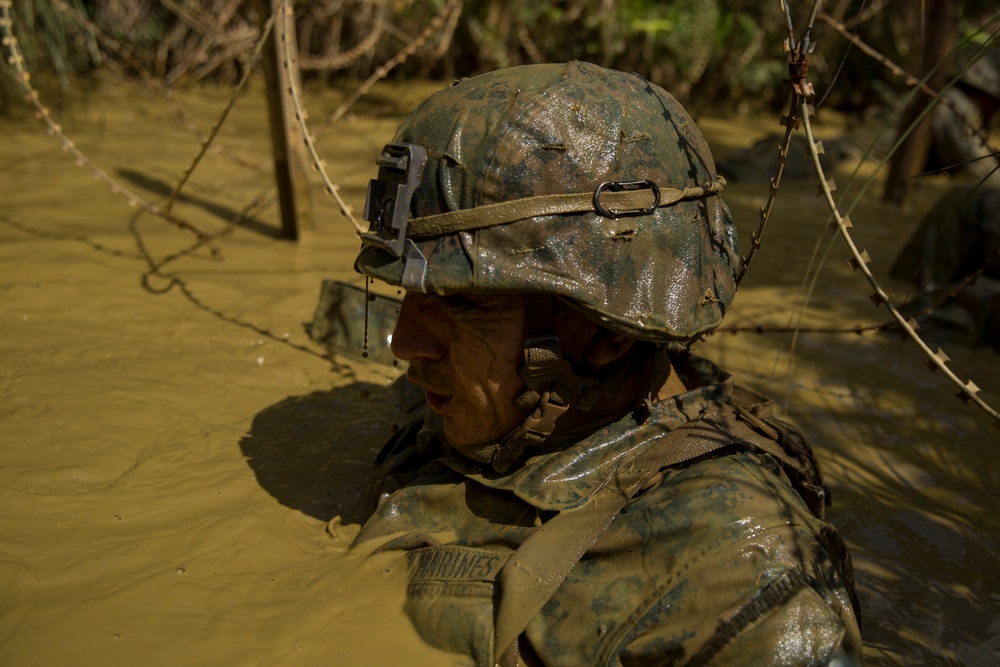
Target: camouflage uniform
{"x": 719, "y": 561}
{"x": 956, "y": 144}
{"x": 672, "y": 535}
{"x": 957, "y": 239}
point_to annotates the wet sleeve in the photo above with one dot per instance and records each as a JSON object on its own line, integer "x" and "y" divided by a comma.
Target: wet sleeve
{"x": 782, "y": 617}
{"x": 722, "y": 564}
{"x": 764, "y": 585}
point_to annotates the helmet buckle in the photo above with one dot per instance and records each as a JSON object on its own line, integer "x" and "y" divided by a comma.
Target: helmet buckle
{"x": 542, "y": 421}
{"x": 626, "y": 186}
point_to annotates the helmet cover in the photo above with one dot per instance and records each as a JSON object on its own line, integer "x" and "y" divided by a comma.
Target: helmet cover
{"x": 657, "y": 273}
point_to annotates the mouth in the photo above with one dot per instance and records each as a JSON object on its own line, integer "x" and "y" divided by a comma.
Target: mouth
{"x": 436, "y": 401}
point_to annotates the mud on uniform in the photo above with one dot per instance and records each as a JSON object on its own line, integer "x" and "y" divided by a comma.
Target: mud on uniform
{"x": 717, "y": 560}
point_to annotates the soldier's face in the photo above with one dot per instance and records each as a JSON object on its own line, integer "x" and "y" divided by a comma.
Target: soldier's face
{"x": 465, "y": 351}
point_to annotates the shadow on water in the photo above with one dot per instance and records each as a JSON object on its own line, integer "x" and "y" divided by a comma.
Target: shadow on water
{"x": 927, "y": 571}
{"x": 61, "y": 236}
{"x": 164, "y": 189}
{"x": 314, "y": 452}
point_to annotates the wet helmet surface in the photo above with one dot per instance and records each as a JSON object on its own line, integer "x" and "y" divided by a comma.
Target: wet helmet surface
{"x": 656, "y": 273}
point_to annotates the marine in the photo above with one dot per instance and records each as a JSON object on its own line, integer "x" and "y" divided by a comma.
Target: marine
{"x": 582, "y": 488}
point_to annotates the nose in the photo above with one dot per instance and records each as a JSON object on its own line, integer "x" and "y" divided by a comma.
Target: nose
{"x": 419, "y": 329}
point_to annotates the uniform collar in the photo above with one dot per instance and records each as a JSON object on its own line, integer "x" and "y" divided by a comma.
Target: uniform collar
{"x": 565, "y": 475}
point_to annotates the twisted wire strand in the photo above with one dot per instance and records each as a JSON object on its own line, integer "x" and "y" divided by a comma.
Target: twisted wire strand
{"x": 300, "y": 116}
{"x": 248, "y": 71}
{"x": 16, "y": 60}
{"x": 860, "y": 261}
{"x": 148, "y": 79}
{"x": 309, "y": 138}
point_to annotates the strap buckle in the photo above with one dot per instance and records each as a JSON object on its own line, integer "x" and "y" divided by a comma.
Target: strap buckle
{"x": 626, "y": 186}
{"x": 540, "y": 423}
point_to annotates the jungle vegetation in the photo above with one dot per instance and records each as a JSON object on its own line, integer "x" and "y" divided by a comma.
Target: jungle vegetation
{"x": 724, "y": 55}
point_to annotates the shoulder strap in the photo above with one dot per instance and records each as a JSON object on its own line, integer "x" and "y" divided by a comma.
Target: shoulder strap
{"x": 544, "y": 560}
{"x": 784, "y": 442}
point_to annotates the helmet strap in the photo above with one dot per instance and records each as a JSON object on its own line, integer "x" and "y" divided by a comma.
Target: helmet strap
{"x": 567, "y": 390}
{"x": 552, "y": 387}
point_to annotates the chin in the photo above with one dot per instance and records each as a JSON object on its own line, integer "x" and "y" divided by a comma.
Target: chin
{"x": 467, "y": 439}
{"x": 462, "y": 439}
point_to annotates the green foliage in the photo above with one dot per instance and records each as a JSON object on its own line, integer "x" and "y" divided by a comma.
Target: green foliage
{"x": 712, "y": 54}
{"x": 53, "y": 48}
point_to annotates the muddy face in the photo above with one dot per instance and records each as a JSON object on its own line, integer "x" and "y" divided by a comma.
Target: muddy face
{"x": 465, "y": 351}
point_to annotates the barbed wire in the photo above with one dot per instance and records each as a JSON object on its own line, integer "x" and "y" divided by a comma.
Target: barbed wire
{"x": 435, "y": 24}
{"x": 147, "y": 78}
{"x": 255, "y": 58}
{"x": 319, "y": 164}
{"x": 799, "y": 106}
{"x": 310, "y": 62}
{"x": 860, "y": 259}
{"x": 16, "y": 60}
{"x": 938, "y": 98}
{"x": 309, "y": 138}
{"x": 885, "y": 325}
{"x": 796, "y": 63}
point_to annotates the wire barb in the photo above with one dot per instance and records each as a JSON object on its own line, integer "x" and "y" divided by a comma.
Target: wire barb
{"x": 968, "y": 391}
{"x": 938, "y": 359}
{"x": 863, "y": 258}
{"x": 55, "y": 129}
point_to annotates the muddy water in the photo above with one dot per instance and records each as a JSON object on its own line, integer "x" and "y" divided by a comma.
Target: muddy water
{"x": 173, "y": 446}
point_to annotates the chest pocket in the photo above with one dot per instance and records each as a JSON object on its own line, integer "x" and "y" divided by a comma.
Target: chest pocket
{"x": 451, "y": 596}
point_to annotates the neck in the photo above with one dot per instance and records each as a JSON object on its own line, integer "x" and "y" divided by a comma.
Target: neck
{"x": 631, "y": 384}
{"x": 654, "y": 379}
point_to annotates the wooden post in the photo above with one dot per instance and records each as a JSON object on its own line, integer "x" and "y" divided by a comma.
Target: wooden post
{"x": 909, "y": 159}
{"x": 290, "y": 162}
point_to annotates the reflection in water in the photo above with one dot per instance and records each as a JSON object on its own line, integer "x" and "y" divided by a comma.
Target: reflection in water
{"x": 170, "y": 457}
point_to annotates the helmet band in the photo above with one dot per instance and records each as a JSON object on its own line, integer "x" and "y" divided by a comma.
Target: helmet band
{"x": 389, "y": 195}
{"x": 610, "y": 199}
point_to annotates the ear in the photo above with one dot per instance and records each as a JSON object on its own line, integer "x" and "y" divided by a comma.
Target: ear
{"x": 605, "y": 347}
{"x": 585, "y": 344}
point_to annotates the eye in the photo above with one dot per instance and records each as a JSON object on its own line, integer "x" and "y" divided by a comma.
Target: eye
{"x": 460, "y": 302}
{"x": 475, "y": 307}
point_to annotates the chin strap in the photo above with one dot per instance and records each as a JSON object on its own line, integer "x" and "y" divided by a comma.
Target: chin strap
{"x": 552, "y": 386}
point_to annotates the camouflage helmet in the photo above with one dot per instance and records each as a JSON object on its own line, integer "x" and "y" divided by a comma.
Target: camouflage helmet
{"x": 564, "y": 179}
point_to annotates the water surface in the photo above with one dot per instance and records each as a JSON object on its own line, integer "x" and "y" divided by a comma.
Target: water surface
{"x": 173, "y": 445}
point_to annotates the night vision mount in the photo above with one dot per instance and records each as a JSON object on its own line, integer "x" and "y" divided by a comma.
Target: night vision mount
{"x": 387, "y": 208}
